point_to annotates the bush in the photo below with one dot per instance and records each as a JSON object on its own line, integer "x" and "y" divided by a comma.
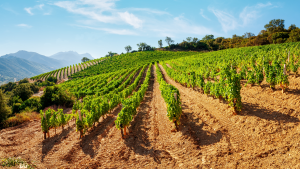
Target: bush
{"x": 51, "y": 79}
{"x": 34, "y": 88}
{"x": 46, "y": 83}
{"x": 278, "y": 37}
{"x": 55, "y": 95}
{"x": 294, "y": 36}
{"x": 20, "y": 118}
{"x": 16, "y": 107}
{"x": 8, "y": 87}
{"x": 23, "y": 91}
{"x": 10, "y": 162}
{"x": 4, "y": 110}
{"x": 32, "y": 103}
{"x": 23, "y": 81}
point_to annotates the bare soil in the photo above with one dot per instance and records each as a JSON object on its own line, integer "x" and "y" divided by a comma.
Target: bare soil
{"x": 265, "y": 134}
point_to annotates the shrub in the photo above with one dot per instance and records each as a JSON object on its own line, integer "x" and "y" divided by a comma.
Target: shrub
{"x": 4, "y": 110}
{"x": 20, "y": 118}
{"x": 34, "y": 88}
{"x": 51, "y": 79}
{"x": 55, "y": 95}
{"x": 10, "y": 162}
{"x": 294, "y": 36}
{"x": 46, "y": 83}
{"x": 8, "y": 87}
{"x": 23, "y": 81}
{"x": 23, "y": 91}
{"x": 32, "y": 103}
{"x": 16, "y": 107}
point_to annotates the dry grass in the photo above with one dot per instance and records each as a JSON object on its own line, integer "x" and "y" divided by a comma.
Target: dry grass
{"x": 42, "y": 88}
{"x": 21, "y": 118}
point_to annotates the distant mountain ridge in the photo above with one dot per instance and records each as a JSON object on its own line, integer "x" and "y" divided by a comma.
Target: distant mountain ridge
{"x": 38, "y": 58}
{"x": 70, "y": 57}
{"x": 13, "y": 67}
{"x": 24, "y": 64}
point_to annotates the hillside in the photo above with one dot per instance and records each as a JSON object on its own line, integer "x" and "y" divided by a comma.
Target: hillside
{"x": 233, "y": 108}
{"x": 35, "y": 64}
{"x": 35, "y": 57}
{"x": 13, "y": 67}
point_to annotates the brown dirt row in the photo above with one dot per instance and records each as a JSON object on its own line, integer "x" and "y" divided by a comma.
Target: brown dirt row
{"x": 265, "y": 136}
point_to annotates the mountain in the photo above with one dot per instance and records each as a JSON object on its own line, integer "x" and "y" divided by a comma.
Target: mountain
{"x": 70, "y": 57}
{"x": 13, "y": 67}
{"x": 35, "y": 57}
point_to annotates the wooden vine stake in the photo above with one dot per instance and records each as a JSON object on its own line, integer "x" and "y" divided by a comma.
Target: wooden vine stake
{"x": 46, "y": 125}
{"x": 175, "y": 96}
{"x": 48, "y": 133}
{"x": 284, "y": 73}
{"x": 289, "y": 57}
{"x": 125, "y": 130}
{"x": 81, "y": 131}
{"x": 264, "y": 65}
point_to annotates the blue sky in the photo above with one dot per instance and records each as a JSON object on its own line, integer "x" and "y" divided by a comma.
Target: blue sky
{"x": 99, "y": 26}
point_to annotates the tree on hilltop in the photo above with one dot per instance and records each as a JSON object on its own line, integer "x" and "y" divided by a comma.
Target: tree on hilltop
{"x": 84, "y": 59}
{"x": 128, "y": 48}
{"x": 275, "y": 25}
{"x": 160, "y": 44}
{"x": 208, "y": 37}
{"x": 169, "y": 40}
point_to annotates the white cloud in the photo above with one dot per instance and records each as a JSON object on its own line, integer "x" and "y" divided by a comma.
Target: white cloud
{"x": 205, "y": 17}
{"x": 24, "y": 25}
{"x": 111, "y": 31}
{"x": 105, "y": 5}
{"x": 227, "y": 21}
{"x": 141, "y": 21}
{"x": 150, "y": 11}
{"x": 10, "y": 10}
{"x": 247, "y": 16}
{"x": 28, "y": 10}
{"x": 41, "y": 6}
{"x": 131, "y": 19}
{"x": 177, "y": 26}
{"x": 89, "y": 12}
{"x": 261, "y": 5}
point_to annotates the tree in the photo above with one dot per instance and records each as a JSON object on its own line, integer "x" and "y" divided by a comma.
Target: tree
{"x": 110, "y": 54}
{"x": 4, "y": 110}
{"x": 8, "y": 87}
{"x": 294, "y": 36}
{"x": 56, "y": 95}
{"x": 275, "y": 25}
{"x": 292, "y": 27}
{"x": 160, "y": 44}
{"x": 84, "y": 59}
{"x": 248, "y": 35}
{"x": 236, "y": 36}
{"x": 128, "y": 48}
{"x": 169, "y": 41}
{"x": 208, "y": 37}
{"x": 195, "y": 40}
{"x": 188, "y": 39}
{"x": 52, "y": 79}
{"x": 142, "y": 46}
{"x": 23, "y": 81}
{"x": 23, "y": 91}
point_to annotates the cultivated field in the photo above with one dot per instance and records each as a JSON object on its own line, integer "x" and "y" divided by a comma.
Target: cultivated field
{"x": 212, "y": 132}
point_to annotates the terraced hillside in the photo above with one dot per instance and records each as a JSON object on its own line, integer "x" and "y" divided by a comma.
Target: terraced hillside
{"x": 235, "y": 108}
